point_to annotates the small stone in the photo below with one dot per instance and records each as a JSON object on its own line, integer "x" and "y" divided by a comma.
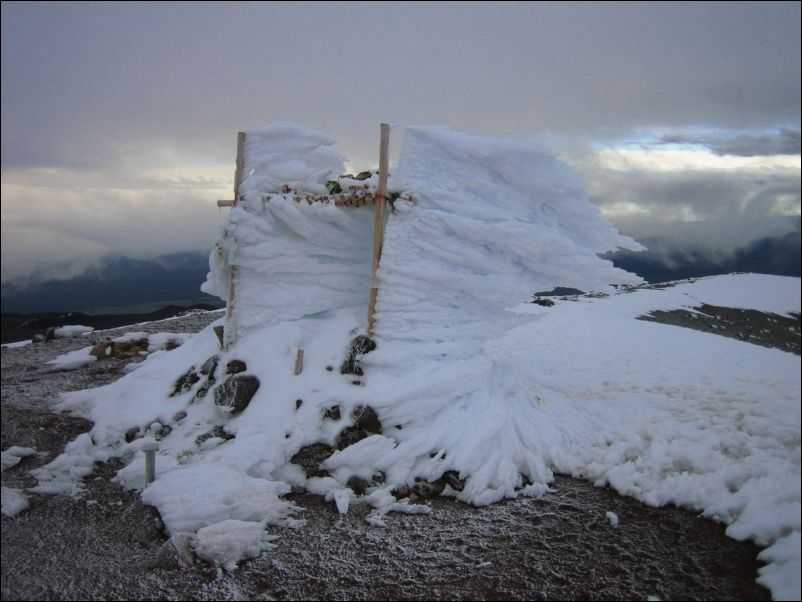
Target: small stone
{"x": 179, "y": 416}
{"x": 131, "y": 434}
{"x": 451, "y": 478}
{"x": 311, "y": 457}
{"x": 185, "y": 382}
{"x": 218, "y": 330}
{"x": 298, "y": 403}
{"x": 332, "y": 413}
{"x": 235, "y": 367}
{"x": 330, "y": 368}
{"x": 426, "y": 490}
{"x": 357, "y": 484}
{"x": 38, "y": 338}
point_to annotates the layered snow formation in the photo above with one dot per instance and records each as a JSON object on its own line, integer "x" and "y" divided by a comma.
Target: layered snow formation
{"x": 476, "y": 394}
{"x": 293, "y": 259}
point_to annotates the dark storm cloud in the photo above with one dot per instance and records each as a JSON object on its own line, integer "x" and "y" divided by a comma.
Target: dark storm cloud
{"x": 110, "y": 93}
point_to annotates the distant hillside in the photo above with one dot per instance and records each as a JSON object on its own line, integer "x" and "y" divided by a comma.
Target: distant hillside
{"x": 665, "y": 261}
{"x": 116, "y": 284}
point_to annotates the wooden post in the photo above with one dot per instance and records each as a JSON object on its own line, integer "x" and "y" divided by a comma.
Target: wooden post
{"x": 378, "y": 223}
{"x": 299, "y": 361}
{"x": 230, "y": 331}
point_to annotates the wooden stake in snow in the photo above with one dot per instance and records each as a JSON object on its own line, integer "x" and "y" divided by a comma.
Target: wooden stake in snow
{"x": 230, "y": 331}
{"x": 299, "y": 361}
{"x": 378, "y": 223}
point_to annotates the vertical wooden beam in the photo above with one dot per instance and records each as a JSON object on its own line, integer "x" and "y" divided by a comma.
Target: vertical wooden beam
{"x": 230, "y": 331}
{"x": 378, "y": 223}
{"x": 299, "y": 361}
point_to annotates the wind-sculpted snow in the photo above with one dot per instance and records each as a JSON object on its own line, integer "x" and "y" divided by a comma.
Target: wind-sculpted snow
{"x": 472, "y": 386}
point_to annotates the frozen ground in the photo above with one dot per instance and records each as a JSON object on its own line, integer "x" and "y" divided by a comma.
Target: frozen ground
{"x": 105, "y": 545}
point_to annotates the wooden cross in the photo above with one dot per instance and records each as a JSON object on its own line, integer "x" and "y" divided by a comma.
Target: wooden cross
{"x": 352, "y": 199}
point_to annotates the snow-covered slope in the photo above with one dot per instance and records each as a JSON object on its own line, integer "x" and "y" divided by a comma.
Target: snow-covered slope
{"x": 468, "y": 381}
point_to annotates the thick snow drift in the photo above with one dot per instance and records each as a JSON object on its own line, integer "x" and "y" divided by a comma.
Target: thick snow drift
{"x": 473, "y": 389}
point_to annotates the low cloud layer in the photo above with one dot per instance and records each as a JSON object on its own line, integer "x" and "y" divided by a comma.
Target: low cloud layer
{"x": 785, "y": 141}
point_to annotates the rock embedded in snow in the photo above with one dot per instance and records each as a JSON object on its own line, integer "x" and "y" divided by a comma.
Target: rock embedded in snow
{"x": 358, "y": 347}
{"x": 311, "y": 457}
{"x": 209, "y": 366}
{"x": 185, "y": 382}
{"x": 236, "y": 392}
{"x": 235, "y": 367}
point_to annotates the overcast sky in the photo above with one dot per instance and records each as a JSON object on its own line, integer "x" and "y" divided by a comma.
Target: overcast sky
{"x": 119, "y": 120}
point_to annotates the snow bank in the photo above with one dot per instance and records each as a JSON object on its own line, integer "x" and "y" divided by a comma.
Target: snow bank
{"x": 225, "y": 543}
{"x": 73, "y": 330}
{"x": 13, "y": 501}
{"x": 465, "y": 380}
{"x": 13, "y": 455}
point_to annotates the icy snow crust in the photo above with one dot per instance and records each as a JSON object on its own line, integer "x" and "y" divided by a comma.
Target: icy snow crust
{"x": 466, "y": 376}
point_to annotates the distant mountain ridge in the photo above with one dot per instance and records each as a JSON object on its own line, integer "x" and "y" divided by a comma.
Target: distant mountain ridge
{"x": 119, "y": 284}
{"x": 116, "y": 284}
{"x": 664, "y": 262}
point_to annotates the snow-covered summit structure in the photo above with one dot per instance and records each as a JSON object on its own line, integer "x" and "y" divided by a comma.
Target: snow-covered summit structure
{"x": 490, "y": 222}
{"x": 469, "y": 391}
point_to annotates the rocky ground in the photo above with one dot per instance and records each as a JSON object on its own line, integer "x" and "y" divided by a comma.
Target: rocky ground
{"x": 108, "y": 545}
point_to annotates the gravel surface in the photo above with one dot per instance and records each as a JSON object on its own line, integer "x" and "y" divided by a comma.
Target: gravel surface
{"x": 108, "y": 545}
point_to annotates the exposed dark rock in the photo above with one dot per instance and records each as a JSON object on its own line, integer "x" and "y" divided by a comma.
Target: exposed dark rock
{"x": 361, "y": 345}
{"x": 236, "y": 392}
{"x": 401, "y": 491}
{"x": 425, "y": 490}
{"x": 310, "y": 457}
{"x": 131, "y": 434}
{"x": 218, "y": 330}
{"x": 358, "y": 347}
{"x": 235, "y": 367}
{"x": 365, "y": 418}
{"x": 350, "y": 435}
{"x": 185, "y": 382}
{"x": 451, "y": 478}
{"x": 358, "y": 485}
{"x": 50, "y": 333}
{"x": 543, "y": 302}
{"x": 363, "y": 175}
{"x": 351, "y": 366}
{"x": 217, "y": 431}
{"x": 332, "y": 413}
{"x": 204, "y": 389}
{"x": 209, "y": 366}
{"x": 298, "y": 403}
{"x": 38, "y": 338}
{"x": 179, "y": 416}
{"x": 330, "y": 368}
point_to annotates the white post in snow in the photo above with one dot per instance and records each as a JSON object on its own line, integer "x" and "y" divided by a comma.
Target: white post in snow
{"x": 150, "y": 462}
